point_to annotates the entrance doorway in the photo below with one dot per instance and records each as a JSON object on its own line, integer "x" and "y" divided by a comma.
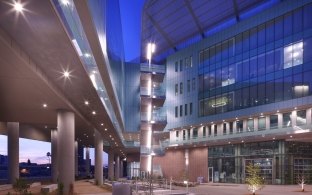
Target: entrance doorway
{"x": 210, "y": 174}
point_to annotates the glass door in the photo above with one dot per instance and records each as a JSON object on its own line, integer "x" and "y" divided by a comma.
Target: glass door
{"x": 210, "y": 174}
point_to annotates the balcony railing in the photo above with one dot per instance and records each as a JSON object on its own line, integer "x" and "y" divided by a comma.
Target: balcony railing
{"x": 153, "y": 92}
{"x": 154, "y": 150}
{"x": 156, "y": 117}
{"x": 242, "y": 134}
{"x": 153, "y": 68}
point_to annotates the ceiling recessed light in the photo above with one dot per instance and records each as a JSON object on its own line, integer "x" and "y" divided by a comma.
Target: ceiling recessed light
{"x": 93, "y": 112}
{"x": 18, "y": 7}
{"x": 105, "y": 129}
{"x": 44, "y": 105}
{"x": 102, "y": 124}
{"x": 86, "y": 102}
{"x": 66, "y": 74}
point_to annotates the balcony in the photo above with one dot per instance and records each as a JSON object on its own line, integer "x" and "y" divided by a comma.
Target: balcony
{"x": 158, "y": 116}
{"x": 156, "y": 150}
{"x": 245, "y": 135}
{"x": 153, "y": 92}
{"x": 153, "y": 68}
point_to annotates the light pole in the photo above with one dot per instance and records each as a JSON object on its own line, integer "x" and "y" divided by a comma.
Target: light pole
{"x": 150, "y": 49}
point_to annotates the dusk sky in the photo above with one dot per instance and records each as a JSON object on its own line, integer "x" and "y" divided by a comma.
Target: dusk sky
{"x": 36, "y": 151}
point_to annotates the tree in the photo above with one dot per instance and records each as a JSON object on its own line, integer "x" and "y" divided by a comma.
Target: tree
{"x": 301, "y": 181}
{"x": 253, "y": 179}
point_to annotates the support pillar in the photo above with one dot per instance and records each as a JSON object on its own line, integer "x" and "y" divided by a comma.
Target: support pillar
{"x": 13, "y": 151}
{"x": 98, "y": 166}
{"x": 66, "y": 149}
{"x": 117, "y": 168}
{"x": 111, "y": 165}
{"x": 54, "y": 156}
{"x": 76, "y": 158}
{"x": 87, "y": 161}
{"x": 121, "y": 169}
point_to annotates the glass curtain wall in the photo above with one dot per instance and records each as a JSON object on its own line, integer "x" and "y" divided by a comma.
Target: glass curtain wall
{"x": 265, "y": 64}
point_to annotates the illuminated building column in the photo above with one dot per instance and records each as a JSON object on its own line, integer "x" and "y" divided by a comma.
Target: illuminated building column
{"x": 13, "y": 151}
{"x": 76, "y": 158}
{"x": 111, "y": 164}
{"x": 117, "y": 168}
{"x": 54, "y": 156}
{"x": 98, "y": 166}
{"x": 87, "y": 161}
{"x": 146, "y": 149}
{"x": 66, "y": 149}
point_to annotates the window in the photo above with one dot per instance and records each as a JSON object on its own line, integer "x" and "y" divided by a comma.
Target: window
{"x": 185, "y": 109}
{"x": 191, "y": 61}
{"x": 188, "y": 134}
{"x": 261, "y": 123}
{"x": 195, "y": 133}
{"x": 186, "y": 63}
{"x": 176, "y": 89}
{"x": 231, "y": 127}
{"x": 181, "y": 110}
{"x": 181, "y": 88}
{"x": 293, "y": 55}
{"x": 287, "y": 119}
{"x": 239, "y": 126}
{"x": 209, "y": 130}
{"x": 250, "y": 124}
{"x": 193, "y": 84}
{"x": 204, "y": 131}
{"x": 176, "y": 111}
{"x": 188, "y": 86}
{"x": 301, "y": 118}
{"x": 176, "y": 66}
{"x": 273, "y": 121}
{"x": 224, "y": 128}
{"x": 181, "y": 65}
{"x": 184, "y": 135}
{"x": 215, "y": 130}
{"x": 177, "y": 134}
{"x": 191, "y": 108}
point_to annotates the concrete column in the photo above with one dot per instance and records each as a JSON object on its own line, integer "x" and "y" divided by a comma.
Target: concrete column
{"x": 267, "y": 122}
{"x": 280, "y": 120}
{"x": 308, "y": 116}
{"x": 110, "y": 164}
{"x": 186, "y": 156}
{"x": 117, "y": 168}
{"x": 54, "y": 156}
{"x": 87, "y": 161}
{"x": 76, "y": 158}
{"x": 121, "y": 168}
{"x": 294, "y": 118}
{"x": 98, "y": 153}
{"x": 66, "y": 149}
{"x": 13, "y": 151}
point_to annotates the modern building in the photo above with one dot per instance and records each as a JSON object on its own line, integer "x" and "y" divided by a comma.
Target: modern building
{"x": 222, "y": 84}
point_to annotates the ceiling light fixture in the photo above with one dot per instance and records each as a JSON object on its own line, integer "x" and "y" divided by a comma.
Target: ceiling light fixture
{"x": 102, "y": 124}
{"x": 18, "y": 7}
{"x": 93, "y": 112}
{"x": 44, "y": 105}
{"x": 86, "y": 103}
{"x": 66, "y": 74}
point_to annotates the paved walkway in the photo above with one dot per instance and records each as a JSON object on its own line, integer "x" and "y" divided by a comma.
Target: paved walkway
{"x": 240, "y": 189}
{"x": 86, "y": 188}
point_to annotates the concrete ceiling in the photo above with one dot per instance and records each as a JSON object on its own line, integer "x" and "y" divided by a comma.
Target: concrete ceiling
{"x": 35, "y": 51}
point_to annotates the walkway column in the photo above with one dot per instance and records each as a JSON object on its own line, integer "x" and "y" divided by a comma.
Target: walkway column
{"x": 117, "y": 168}
{"x": 13, "y": 151}
{"x": 87, "y": 161}
{"x": 54, "y": 156}
{"x": 121, "y": 168}
{"x": 76, "y": 158}
{"x": 66, "y": 149}
{"x": 111, "y": 164}
{"x": 98, "y": 153}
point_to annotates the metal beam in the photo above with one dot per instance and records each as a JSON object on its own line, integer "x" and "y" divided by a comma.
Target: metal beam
{"x": 236, "y": 10}
{"x": 162, "y": 33}
{"x": 190, "y": 9}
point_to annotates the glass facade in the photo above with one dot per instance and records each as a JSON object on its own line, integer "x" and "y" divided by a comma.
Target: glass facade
{"x": 280, "y": 162}
{"x": 268, "y": 63}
